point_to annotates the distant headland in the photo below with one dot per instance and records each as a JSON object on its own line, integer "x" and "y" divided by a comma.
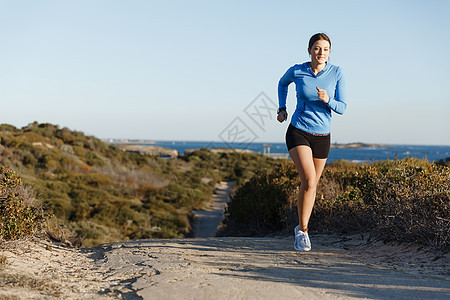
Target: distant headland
{"x": 359, "y": 145}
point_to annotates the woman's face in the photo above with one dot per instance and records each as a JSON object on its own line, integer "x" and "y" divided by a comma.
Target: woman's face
{"x": 320, "y": 52}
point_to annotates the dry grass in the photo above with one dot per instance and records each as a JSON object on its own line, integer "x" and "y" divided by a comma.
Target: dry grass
{"x": 44, "y": 286}
{"x": 58, "y": 232}
{"x": 3, "y": 261}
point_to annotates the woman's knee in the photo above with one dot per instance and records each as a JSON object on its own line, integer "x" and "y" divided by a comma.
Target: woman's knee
{"x": 309, "y": 184}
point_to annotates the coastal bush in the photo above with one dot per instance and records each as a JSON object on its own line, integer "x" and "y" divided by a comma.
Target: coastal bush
{"x": 231, "y": 164}
{"x": 19, "y": 213}
{"x": 99, "y": 193}
{"x": 83, "y": 181}
{"x": 404, "y": 200}
{"x": 258, "y": 207}
{"x": 7, "y": 128}
{"x": 444, "y": 162}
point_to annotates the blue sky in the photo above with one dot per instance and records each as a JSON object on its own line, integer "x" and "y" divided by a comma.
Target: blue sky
{"x": 190, "y": 70}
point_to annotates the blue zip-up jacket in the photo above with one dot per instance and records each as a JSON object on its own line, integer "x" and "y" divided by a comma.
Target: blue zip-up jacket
{"x": 312, "y": 114}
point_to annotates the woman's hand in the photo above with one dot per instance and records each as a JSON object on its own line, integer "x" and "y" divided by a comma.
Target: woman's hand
{"x": 282, "y": 116}
{"x": 323, "y": 95}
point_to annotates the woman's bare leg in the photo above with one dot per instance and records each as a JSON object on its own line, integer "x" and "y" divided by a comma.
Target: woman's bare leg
{"x": 309, "y": 169}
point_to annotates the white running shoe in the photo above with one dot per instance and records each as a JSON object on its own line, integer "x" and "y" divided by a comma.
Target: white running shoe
{"x": 302, "y": 242}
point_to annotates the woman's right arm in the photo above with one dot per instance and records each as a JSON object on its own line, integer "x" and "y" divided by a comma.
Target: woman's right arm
{"x": 283, "y": 85}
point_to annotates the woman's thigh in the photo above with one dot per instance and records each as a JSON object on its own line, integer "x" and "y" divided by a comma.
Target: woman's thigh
{"x": 304, "y": 162}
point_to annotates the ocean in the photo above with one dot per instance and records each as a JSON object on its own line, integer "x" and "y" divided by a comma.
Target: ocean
{"x": 432, "y": 153}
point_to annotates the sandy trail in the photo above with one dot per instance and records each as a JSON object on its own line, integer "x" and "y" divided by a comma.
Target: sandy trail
{"x": 208, "y": 220}
{"x": 224, "y": 268}
{"x": 266, "y": 268}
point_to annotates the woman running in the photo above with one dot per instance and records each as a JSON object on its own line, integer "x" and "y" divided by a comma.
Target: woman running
{"x": 320, "y": 89}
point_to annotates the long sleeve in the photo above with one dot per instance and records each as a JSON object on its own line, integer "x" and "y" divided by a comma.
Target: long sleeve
{"x": 283, "y": 85}
{"x": 339, "y": 102}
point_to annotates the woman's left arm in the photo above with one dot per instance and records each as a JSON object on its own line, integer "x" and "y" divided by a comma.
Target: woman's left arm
{"x": 339, "y": 102}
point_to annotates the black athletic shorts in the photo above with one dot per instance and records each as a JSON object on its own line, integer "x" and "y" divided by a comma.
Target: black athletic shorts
{"x": 319, "y": 144}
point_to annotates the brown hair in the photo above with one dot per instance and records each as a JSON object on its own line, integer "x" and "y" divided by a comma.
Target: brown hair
{"x": 317, "y": 37}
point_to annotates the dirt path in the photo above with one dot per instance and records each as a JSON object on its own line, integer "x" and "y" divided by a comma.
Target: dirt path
{"x": 208, "y": 220}
{"x": 224, "y": 268}
{"x": 263, "y": 268}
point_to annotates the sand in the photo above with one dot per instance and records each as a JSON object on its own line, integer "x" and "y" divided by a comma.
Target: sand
{"x": 208, "y": 220}
{"x": 223, "y": 268}
{"x": 40, "y": 269}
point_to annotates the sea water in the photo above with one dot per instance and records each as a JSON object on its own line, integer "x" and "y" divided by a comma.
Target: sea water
{"x": 367, "y": 154}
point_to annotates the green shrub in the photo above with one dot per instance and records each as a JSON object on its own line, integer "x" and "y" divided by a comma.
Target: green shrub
{"x": 258, "y": 207}
{"x": 7, "y": 128}
{"x": 17, "y": 218}
{"x": 404, "y": 200}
